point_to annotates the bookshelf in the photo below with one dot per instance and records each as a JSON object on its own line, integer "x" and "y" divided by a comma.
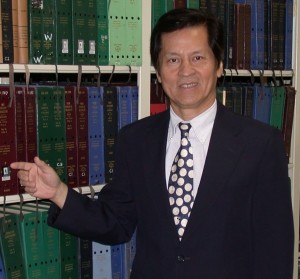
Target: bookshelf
{"x": 144, "y": 77}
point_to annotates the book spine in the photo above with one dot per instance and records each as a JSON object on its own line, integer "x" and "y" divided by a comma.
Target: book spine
{"x": 101, "y": 261}
{"x": 23, "y": 31}
{"x": 96, "y": 135}
{"x": 15, "y": 31}
{"x": 71, "y": 136}
{"x": 82, "y": 130}
{"x": 7, "y": 31}
{"x": 1, "y": 36}
{"x": 117, "y": 31}
{"x": 110, "y": 107}
{"x": 102, "y": 31}
{"x": 133, "y": 28}
{"x": 64, "y": 33}
{"x": 85, "y": 259}
{"x": 288, "y": 118}
{"x": 31, "y": 123}
{"x": 8, "y": 150}
{"x": 288, "y": 35}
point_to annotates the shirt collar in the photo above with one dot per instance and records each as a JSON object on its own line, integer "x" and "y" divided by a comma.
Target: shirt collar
{"x": 201, "y": 124}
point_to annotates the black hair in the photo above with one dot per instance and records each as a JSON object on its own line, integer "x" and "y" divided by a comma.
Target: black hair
{"x": 177, "y": 19}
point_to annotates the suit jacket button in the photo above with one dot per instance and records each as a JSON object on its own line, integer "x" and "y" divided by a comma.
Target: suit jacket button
{"x": 180, "y": 259}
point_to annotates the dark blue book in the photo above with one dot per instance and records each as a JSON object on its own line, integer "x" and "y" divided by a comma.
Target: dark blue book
{"x": 288, "y": 34}
{"x": 96, "y": 135}
{"x": 124, "y": 106}
{"x": 117, "y": 257}
{"x": 262, "y": 103}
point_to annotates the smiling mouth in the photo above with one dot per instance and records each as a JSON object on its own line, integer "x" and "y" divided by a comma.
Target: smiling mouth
{"x": 188, "y": 85}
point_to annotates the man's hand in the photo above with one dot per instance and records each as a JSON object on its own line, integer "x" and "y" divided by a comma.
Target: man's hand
{"x": 41, "y": 181}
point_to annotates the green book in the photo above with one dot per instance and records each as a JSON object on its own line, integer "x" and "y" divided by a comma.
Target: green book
{"x": 64, "y": 32}
{"x": 68, "y": 255}
{"x": 49, "y": 237}
{"x": 11, "y": 246}
{"x": 102, "y": 33}
{"x": 133, "y": 38}
{"x": 117, "y": 32}
{"x": 194, "y": 4}
{"x": 158, "y": 8}
{"x": 51, "y": 132}
{"x": 31, "y": 236}
{"x": 84, "y": 31}
{"x": 41, "y": 26}
{"x": 277, "y": 106}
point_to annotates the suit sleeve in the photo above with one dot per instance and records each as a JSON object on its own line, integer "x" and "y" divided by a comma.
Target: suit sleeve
{"x": 272, "y": 215}
{"x": 110, "y": 219}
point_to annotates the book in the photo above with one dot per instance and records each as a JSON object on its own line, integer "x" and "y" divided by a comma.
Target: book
{"x": 11, "y": 247}
{"x": 158, "y": 99}
{"x": 110, "y": 118}
{"x": 288, "y": 117}
{"x": 7, "y": 31}
{"x": 41, "y": 25}
{"x": 71, "y": 136}
{"x": 124, "y": 105}
{"x": 117, "y": 32}
{"x": 288, "y": 43}
{"x": 51, "y": 132}
{"x": 85, "y": 256}
{"x": 20, "y": 119}
{"x": 32, "y": 241}
{"x": 257, "y": 34}
{"x": 64, "y": 33}
{"x": 277, "y": 106}
{"x": 68, "y": 251}
{"x": 193, "y": 4}
{"x": 242, "y": 34}
{"x": 31, "y": 123}
{"x": 84, "y": 31}
{"x": 82, "y": 136}
{"x": 133, "y": 29}
{"x": 158, "y": 8}
{"x": 262, "y": 103}
{"x": 8, "y": 149}
{"x": 14, "y": 22}
{"x": 49, "y": 237}
{"x": 101, "y": 260}
{"x": 102, "y": 33}
{"x": 117, "y": 261}
{"x": 2, "y": 271}
{"x": 96, "y": 135}
{"x": 1, "y": 37}
{"x": 22, "y": 32}
{"x": 247, "y": 100}
{"x": 134, "y": 96}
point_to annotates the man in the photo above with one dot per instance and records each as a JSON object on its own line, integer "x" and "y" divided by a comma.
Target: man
{"x": 237, "y": 221}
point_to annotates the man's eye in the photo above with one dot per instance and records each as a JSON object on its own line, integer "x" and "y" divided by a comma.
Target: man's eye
{"x": 198, "y": 58}
{"x": 173, "y": 60}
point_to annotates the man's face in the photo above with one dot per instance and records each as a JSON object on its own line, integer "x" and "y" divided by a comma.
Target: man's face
{"x": 188, "y": 71}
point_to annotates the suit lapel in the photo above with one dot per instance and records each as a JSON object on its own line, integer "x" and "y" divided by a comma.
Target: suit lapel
{"x": 224, "y": 151}
{"x": 154, "y": 152}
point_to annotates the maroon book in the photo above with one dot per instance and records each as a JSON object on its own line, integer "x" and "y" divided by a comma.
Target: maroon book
{"x": 8, "y": 145}
{"x": 71, "y": 136}
{"x": 82, "y": 136}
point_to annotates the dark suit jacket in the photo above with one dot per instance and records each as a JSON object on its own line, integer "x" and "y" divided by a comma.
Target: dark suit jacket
{"x": 241, "y": 225}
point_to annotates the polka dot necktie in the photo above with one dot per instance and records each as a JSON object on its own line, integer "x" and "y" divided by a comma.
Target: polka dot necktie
{"x": 181, "y": 181}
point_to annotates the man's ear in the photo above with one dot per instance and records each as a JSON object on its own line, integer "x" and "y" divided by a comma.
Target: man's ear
{"x": 158, "y": 76}
{"x": 220, "y": 70}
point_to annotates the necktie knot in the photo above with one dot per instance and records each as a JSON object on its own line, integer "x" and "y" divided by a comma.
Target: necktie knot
{"x": 184, "y": 128}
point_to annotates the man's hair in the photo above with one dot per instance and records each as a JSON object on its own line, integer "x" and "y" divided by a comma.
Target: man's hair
{"x": 177, "y": 19}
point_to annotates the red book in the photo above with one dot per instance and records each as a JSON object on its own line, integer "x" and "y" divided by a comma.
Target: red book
{"x": 82, "y": 138}
{"x": 71, "y": 136}
{"x": 8, "y": 146}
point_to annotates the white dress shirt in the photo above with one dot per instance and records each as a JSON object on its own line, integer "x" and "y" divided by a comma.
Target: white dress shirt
{"x": 199, "y": 137}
